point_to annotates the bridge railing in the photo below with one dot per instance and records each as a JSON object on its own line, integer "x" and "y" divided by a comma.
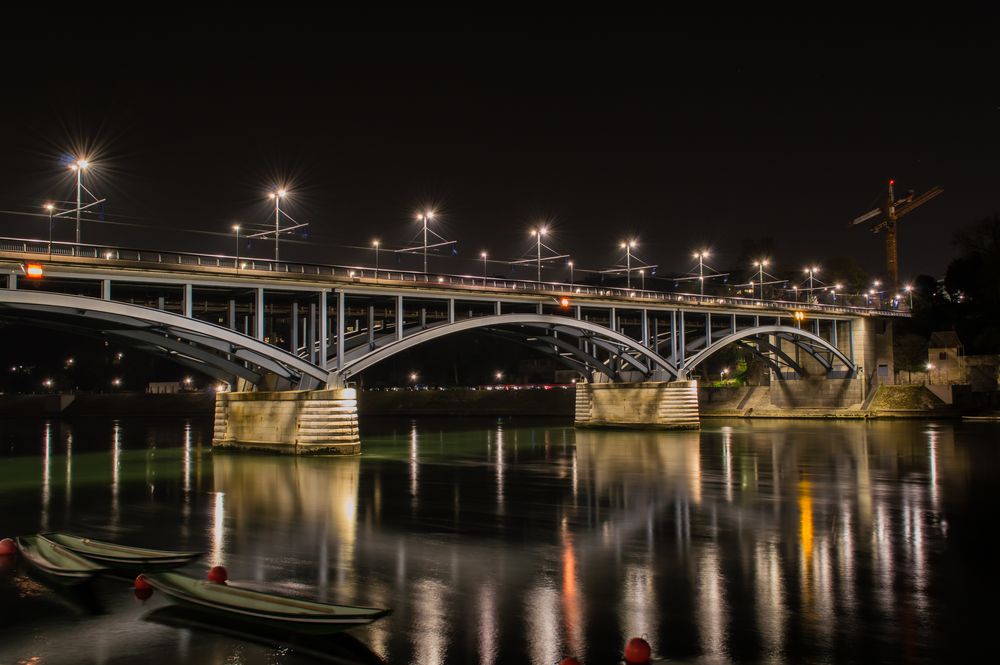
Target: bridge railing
{"x": 842, "y": 304}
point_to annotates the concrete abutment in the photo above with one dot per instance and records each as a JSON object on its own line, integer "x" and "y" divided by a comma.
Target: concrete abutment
{"x": 649, "y": 404}
{"x": 299, "y": 422}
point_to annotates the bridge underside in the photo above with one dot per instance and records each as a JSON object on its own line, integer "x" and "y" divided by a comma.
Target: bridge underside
{"x": 220, "y": 353}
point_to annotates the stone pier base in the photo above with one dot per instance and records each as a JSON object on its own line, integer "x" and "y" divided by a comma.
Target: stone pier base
{"x": 652, "y": 405}
{"x": 298, "y": 422}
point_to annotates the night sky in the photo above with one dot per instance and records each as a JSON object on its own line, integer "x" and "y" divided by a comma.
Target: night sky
{"x": 681, "y": 141}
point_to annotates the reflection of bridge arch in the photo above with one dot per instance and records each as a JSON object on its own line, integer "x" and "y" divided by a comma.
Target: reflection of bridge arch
{"x": 543, "y": 330}
{"x": 219, "y": 352}
{"x": 821, "y": 350}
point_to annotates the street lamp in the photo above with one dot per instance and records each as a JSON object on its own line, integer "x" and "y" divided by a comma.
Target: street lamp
{"x": 538, "y": 233}
{"x": 375, "y": 244}
{"x": 795, "y": 291}
{"x": 49, "y": 207}
{"x": 571, "y": 273}
{"x": 486, "y": 268}
{"x": 236, "y": 228}
{"x": 811, "y": 271}
{"x": 722, "y": 374}
{"x": 642, "y": 276}
{"x": 909, "y": 290}
{"x": 413, "y": 377}
{"x": 627, "y": 245}
{"x": 277, "y": 195}
{"x": 424, "y": 217}
{"x": 761, "y": 263}
{"x": 498, "y": 375}
{"x": 79, "y": 166}
{"x": 700, "y": 255}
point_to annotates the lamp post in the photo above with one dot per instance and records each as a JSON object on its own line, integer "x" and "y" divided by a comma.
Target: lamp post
{"x": 538, "y": 233}
{"x": 375, "y": 244}
{"x": 811, "y": 271}
{"x": 49, "y": 207}
{"x": 909, "y": 291}
{"x": 642, "y": 276}
{"x": 571, "y": 273}
{"x": 236, "y": 228}
{"x": 78, "y": 167}
{"x": 277, "y": 195}
{"x": 761, "y": 263}
{"x": 627, "y": 245}
{"x": 483, "y": 255}
{"x": 795, "y": 291}
{"x": 423, "y": 217}
{"x": 701, "y": 268}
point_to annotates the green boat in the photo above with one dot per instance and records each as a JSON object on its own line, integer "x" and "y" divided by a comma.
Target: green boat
{"x": 284, "y": 611}
{"x": 57, "y": 562}
{"x": 122, "y": 557}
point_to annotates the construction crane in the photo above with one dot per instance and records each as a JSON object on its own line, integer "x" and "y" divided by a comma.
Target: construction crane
{"x": 894, "y": 210}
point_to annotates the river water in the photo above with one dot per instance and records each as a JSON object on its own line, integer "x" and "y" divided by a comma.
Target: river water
{"x": 511, "y": 541}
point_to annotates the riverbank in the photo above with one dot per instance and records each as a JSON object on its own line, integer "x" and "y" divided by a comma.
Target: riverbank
{"x": 714, "y": 402}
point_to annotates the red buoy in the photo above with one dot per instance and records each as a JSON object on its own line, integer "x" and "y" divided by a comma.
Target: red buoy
{"x": 637, "y": 651}
{"x": 143, "y": 594}
{"x": 569, "y": 660}
{"x": 141, "y": 583}
{"x": 218, "y": 575}
{"x": 7, "y": 546}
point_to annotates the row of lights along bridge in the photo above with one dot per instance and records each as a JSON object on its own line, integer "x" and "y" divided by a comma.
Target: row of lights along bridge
{"x": 809, "y": 289}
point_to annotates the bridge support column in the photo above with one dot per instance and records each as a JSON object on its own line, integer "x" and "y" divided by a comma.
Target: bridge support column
{"x": 297, "y": 422}
{"x": 646, "y": 405}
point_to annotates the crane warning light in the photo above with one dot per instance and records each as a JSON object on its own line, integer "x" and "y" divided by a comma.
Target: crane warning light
{"x": 892, "y": 182}
{"x": 34, "y": 271}
{"x": 564, "y": 302}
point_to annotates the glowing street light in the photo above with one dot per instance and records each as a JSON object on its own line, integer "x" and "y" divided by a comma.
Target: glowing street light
{"x": 570, "y": 263}
{"x": 236, "y": 228}
{"x": 49, "y": 207}
{"x": 701, "y": 256}
{"x": 538, "y": 233}
{"x": 761, "y": 264}
{"x": 811, "y": 271}
{"x": 498, "y": 376}
{"x": 486, "y": 269}
{"x": 413, "y": 377}
{"x": 375, "y": 244}
{"x": 909, "y": 290}
{"x": 79, "y": 166}
{"x": 722, "y": 374}
{"x": 277, "y": 195}
{"x": 628, "y": 245}
{"x": 424, "y": 217}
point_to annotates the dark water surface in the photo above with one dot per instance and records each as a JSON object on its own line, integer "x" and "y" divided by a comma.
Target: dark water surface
{"x": 518, "y": 542}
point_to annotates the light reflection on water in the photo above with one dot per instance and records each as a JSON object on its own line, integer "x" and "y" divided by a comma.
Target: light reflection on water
{"x": 774, "y": 543}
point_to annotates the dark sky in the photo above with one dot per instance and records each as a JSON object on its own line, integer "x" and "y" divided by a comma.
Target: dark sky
{"x": 680, "y": 139}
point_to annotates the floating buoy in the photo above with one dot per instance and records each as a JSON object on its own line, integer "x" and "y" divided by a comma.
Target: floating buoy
{"x": 7, "y": 546}
{"x": 569, "y": 660}
{"x": 637, "y": 651}
{"x": 218, "y": 575}
{"x": 141, "y": 583}
{"x": 144, "y": 594}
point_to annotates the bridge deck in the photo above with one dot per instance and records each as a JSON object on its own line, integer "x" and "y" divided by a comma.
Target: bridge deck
{"x": 128, "y": 264}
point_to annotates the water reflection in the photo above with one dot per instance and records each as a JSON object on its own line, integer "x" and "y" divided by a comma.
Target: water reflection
{"x": 774, "y": 543}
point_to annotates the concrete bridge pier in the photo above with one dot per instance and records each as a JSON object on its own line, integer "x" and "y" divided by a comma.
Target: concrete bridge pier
{"x": 646, "y": 404}
{"x": 298, "y": 422}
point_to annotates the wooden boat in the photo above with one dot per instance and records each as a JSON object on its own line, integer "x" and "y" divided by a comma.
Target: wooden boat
{"x": 290, "y": 613}
{"x": 340, "y": 648}
{"x": 57, "y": 562}
{"x": 122, "y": 557}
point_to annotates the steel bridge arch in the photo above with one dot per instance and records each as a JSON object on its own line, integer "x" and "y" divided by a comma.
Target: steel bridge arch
{"x": 627, "y": 349}
{"x": 786, "y": 332}
{"x": 207, "y": 347}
